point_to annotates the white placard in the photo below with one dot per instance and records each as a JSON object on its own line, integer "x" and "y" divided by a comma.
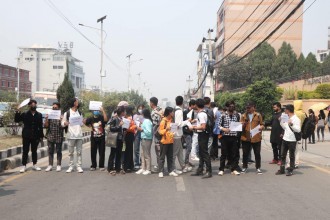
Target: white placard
{"x": 126, "y": 123}
{"x": 235, "y": 126}
{"x": 95, "y": 105}
{"x": 24, "y": 103}
{"x": 54, "y": 114}
{"x": 187, "y": 123}
{"x": 138, "y": 123}
{"x": 76, "y": 121}
{"x": 255, "y": 131}
{"x": 284, "y": 118}
{"x": 174, "y": 127}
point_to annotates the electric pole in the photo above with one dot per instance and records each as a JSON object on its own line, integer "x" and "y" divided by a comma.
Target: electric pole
{"x": 101, "y": 70}
{"x": 189, "y": 81}
{"x": 129, "y": 70}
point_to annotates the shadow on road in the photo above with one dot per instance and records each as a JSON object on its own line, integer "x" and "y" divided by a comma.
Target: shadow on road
{"x": 4, "y": 192}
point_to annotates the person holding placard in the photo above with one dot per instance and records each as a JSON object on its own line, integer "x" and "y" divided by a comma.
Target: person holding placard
{"x": 138, "y": 119}
{"x": 72, "y": 119}
{"x": 54, "y": 139}
{"x": 129, "y": 140}
{"x": 32, "y": 132}
{"x": 97, "y": 123}
{"x": 251, "y": 136}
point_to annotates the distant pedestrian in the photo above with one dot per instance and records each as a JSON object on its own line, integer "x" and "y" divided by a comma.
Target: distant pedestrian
{"x": 32, "y": 133}
{"x": 138, "y": 118}
{"x": 321, "y": 125}
{"x": 289, "y": 140}
{"x": 146, "y": 141}
{"x": 192, "y": 117}
{"x": 156, "y": 115}
{"x": 328, "y": 121}
{"x": 209, "y": 111}
{"x": 188, "y": 134}
{"x": 55, "y": 133}
{"x": 129, "y": 134}
{"x": 313, "y": 119}
{"x": 214, "y": 153}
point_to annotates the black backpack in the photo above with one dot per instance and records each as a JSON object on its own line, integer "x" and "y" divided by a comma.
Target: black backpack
{"x": 185, "y": 129}
{"x": 209, "y": 123}
{"x": 307, "y": 127}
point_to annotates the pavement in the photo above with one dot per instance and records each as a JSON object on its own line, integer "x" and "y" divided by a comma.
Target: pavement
{"x": 97, "y": 195}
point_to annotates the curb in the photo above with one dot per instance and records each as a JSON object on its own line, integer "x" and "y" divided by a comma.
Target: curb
{"x": 12, "y": 158}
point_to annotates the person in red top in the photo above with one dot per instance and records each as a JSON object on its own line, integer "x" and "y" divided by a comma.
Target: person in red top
{"x": 129, "y": 141}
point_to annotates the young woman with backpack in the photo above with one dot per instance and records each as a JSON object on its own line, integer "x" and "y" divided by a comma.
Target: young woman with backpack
{"x": 321, "y": 125}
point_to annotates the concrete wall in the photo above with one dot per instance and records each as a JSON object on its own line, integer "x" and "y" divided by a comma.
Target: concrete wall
{"x": 307, "y": 103}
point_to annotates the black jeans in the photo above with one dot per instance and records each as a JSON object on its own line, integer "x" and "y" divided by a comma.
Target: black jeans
{"x": 128, "y": 155}
{"x": 215, "y": 147}
{"x": 188, "y": 139}
{"x": 247, "y": 150}
{"x": 204, "y": 157}
{"x": 115, "y": 153}
{"x": 166, "y": 150}
{"x": 26, "y": 148}
{"x": 276, "y": 151}
{"x": 311, "y": 138}
{"x": 229, "y": 150}
{"x": 97, "y": 144}
{"x": 291, "y": 147}
{"x": 51, "y": 148}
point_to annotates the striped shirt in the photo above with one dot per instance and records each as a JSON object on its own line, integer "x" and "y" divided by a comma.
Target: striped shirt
{"x": 225, "y": 121}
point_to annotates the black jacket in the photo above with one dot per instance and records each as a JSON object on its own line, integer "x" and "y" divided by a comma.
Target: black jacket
{"x": 32, "y": 124}
{"x": 116, "y": 128}
{"x": 277, "y": 130}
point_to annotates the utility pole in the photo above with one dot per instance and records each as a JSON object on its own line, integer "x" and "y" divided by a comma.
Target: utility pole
{"x": 210, "y": 60}
{"x": 189, "y": 81}
{"x": 139, "y": 74}
{"x": 101, "y": 70}
{"x": 129, "y": 70}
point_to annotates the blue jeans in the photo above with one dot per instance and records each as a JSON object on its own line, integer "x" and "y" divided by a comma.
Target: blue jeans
{"x": 137, "y": 143}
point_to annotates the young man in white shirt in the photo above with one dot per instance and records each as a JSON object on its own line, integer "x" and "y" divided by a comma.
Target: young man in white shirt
{"x": 74, "y": 136}
{"x": 289, "y": 143}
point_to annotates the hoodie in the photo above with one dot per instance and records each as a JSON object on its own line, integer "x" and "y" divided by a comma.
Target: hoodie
{"x": 298, "y": 110}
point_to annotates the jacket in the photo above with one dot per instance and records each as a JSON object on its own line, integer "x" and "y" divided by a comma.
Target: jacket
{"x": 167, "y": 136}
{"x": 32, "y": 128}
{"x": 256, "y": 120}
{"x": 116, "y": 128}
{"x": 277, "y": 132}
{"x": 298, "y": 110}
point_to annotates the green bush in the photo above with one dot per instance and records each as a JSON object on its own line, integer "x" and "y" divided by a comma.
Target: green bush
{"x": 308, "y": 95}
{"x": 323, "y": 90}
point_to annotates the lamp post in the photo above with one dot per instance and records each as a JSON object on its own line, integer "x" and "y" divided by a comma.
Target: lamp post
{"x": 129, "y": 69}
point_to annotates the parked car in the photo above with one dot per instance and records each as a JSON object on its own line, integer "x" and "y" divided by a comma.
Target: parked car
{"x": 4, "y": 107}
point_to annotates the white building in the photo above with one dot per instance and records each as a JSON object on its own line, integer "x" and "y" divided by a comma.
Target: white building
{"x": 322, "y": 54}
{"x": 47, "y": 67}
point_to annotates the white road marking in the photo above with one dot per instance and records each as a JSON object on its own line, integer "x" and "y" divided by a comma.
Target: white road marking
{"x": 180, "y": 187}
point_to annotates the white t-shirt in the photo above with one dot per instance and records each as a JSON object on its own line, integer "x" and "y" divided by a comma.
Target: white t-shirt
{"x": 201, "y": 119}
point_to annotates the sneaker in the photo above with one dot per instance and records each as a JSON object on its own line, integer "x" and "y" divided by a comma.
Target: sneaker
{"x": 174, "y": 174}
{"x": 178, "y": 172}
{"x": 36, "y": 168}
{"x": 273, "y": 162}
{"x": 279, "y": 163}
{"x": 147, "y": 172}
{"x": 236, "y": 173}
{"x": 140, "y": 171}
{"x": 23, "y": 169}
{"x": 244, "y": 170}
{"x": 102, "y": 169}
{"x": 185, "y": 170}
{"x": 296, "y": 167}
{"x": 289, "y": 173}
{"x": 161, "y": 175}
{"x": 189, "y": 169}
{"x": 195, "y": 158}
{"x": 92, "y": 169}
{"x": 259, "y": 171}
{"x": 80, "y": 170}
{"x": 279, "y": 172}
{"x": 220, "y": 173}
{"x": 69, "y": 170}
{"x": 49, "y": 168}
{"x": 58, "y": 169}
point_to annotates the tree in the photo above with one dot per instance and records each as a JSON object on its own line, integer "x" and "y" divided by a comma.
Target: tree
{"x": 299, "y": 67}
{"x": 326, "y": 66}
{"x": 65, "y": 92}
{"x": 261, "y": 62}
{"x": 323, "y": 90}
{"x": 284, "y": 63}
{"x": 222, "y": 98}
{"x": 311, "y": 65}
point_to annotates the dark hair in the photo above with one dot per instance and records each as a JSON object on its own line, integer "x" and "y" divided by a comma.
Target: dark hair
{"x": 251, "y": 104}
{"x": 311, "y": 111}
{"x": 120, "y": 110}
{"x": 57, "y": 103}
{"x": 179, "y": 100}
{"x": 213, "y": 105}
{"x": 228, "y": 103}
{"x": 168, "y": 111}
{"x": 192, "y": 102}
{"x": 207, "y": 100}
{"x": 290, "y": 108}
{"x": 129, "y": 110}
{"x": 321, "y": 115}
{"x": 146, "y": 114}
{"x": 277, "y": 104}
{"x": 141, "y": 105}
{"x": 72, "y": 101}
{"x": 200, "y": 103}
{"x": 154, "y": 100}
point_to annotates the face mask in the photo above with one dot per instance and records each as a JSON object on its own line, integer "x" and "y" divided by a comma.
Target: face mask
{"x": 33, "y": 108}
{"x": 96, "y": 113}
{"x": 140, "y": 111}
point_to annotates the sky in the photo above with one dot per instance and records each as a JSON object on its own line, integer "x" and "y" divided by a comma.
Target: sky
{"x": 164, "y": 33}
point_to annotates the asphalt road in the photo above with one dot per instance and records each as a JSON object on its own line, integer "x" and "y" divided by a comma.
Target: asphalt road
{"x": 97, "y": 195}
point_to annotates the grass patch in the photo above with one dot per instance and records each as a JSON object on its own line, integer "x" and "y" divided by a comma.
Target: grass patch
{"x": 10, "y": 141}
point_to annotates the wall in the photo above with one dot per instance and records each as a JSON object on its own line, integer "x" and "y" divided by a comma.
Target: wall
{"x": 307, "y": 103}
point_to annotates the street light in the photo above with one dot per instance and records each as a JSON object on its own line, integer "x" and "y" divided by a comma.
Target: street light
{"x": 129, "y": 68}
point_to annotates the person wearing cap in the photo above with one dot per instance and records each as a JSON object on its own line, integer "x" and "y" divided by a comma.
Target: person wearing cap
{"x": 32, "y": 133}
{"x": 74, "y": 135}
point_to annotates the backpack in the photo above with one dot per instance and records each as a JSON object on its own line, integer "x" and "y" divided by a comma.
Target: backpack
{"x": 67, "y": 118}
{"x": 307, "y": 128}
{"x": 209, "y": 123}
{"x": 185, "y": 129}
{"x": 158, "y": 136}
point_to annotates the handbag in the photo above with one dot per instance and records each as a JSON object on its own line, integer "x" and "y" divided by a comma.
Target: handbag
{"x": 111, "y": 140}
{"x": 297, "y": 135}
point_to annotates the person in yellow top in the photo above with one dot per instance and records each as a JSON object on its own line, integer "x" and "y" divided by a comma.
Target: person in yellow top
{"x": 166, "y": 143}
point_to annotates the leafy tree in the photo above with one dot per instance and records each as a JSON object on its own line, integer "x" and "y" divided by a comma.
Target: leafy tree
{"x": 311, "y": 65}
{"x": 7, "y": 96}
{"x": 284, "y": 63}
{"x": 299, "y": 67}
{"x": 238, "y": 98}
{"x": 326, "y": 66}
{"x": 65, "y": 91}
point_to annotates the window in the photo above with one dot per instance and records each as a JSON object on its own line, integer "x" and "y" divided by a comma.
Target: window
{"x": 9, "y": 84}
{"x": 54, "y": 67}
{"x": 26, "y": 76}
{"x": 15, "y": 84}
{"x": 6, "y": 72}
{"x": 12, "y": 73}
{"x": 58, "y": 58}
{"x": 3, "y": 83}
{"x": 43, "y": 59}
{"x": 60, "y": 67}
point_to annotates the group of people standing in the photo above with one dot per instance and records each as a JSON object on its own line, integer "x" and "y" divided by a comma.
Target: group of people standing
{"x": 202, "y": 128}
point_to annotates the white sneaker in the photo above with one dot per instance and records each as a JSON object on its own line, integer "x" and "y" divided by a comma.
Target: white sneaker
{"x": 174, "y": 174}
{"x": 185, "y": 170}
{"x": 161, "y": 175}
{"x": 92, "y": 169}
{"x": 23, "y": 169}
{"x": 49, "y": 168}
{"x": 195, "y": 158}
{"x": 236, "y": 173}
{"x": 36, "y": 168}
{"x": 178, "y": 172}
{"x": 58, "y": 169}
{"x": 220, "y": 173}
{"x": 80, "y": 170}
{"x": 69, "y": 170}
{"x": 259, "y": 171}
{"x": 147, "y": 172}
{"x": 244, "y": 170}
{"x": 140, "y": 171}
{"x": 102, "y": 169}
{"x": 190, "y": 169}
